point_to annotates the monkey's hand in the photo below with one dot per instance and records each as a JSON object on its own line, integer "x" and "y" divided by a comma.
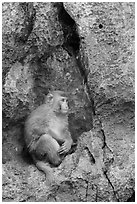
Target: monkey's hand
{"x": 66, "y": 146}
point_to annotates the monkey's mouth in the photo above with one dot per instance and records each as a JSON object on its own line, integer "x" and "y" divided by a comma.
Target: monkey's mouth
{"x": 65, "y": 111}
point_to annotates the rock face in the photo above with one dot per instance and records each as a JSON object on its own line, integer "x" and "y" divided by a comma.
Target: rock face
{"x": 107, "y": 31}
{"x": 88, "y": 50}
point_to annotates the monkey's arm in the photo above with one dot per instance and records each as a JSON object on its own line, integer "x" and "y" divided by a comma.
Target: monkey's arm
{"x": 65, "y": 140}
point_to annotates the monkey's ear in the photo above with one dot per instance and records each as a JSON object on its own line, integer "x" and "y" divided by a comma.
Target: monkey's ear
{"x": 49, "y": 97}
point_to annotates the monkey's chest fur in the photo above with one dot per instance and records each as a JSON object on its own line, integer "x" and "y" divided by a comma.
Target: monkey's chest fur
{"x": 59, "y": 129}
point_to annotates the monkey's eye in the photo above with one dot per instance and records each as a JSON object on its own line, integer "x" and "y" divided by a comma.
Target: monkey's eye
{"x": 64, "y": 100}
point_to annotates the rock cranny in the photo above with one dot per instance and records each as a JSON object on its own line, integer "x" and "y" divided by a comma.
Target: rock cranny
{"x": 36, "y": 60}
{"x": 107, "y": 31}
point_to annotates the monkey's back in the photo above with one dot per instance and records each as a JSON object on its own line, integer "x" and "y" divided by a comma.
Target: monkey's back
{"x": 36, "y": 124}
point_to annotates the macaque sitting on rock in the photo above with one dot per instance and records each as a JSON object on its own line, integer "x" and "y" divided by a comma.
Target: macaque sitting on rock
{"x": 46, "y": 132}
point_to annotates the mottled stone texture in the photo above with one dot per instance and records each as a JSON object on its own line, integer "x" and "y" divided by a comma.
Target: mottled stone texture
{"x": 107, "y": 31}
{"x": 26, "y": 31}
{"x": 86, "y": 49}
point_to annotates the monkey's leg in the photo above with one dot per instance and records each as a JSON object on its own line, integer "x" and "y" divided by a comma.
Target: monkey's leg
{"x": 47, "y": 145}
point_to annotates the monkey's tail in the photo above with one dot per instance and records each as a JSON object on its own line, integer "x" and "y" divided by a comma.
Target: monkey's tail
{"x": 47, "y": 170}
{"x": 42, "y": 166}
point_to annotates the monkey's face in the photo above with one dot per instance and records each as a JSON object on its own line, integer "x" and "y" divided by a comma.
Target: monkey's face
{"x": 63, "y": 105}
{"x": 59, "y": 103}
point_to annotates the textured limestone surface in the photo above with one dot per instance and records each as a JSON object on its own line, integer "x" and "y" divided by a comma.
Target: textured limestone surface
{"x": 86, "y": 49}
{"x": 107, "y": 31}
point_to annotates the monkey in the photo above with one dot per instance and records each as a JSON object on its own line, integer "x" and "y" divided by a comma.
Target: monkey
{"x": 47, "y": 134}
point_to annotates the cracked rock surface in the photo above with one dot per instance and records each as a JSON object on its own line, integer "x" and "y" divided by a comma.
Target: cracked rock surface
{"x": 108, "y": 42}
{"x": 88, "y": 50}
